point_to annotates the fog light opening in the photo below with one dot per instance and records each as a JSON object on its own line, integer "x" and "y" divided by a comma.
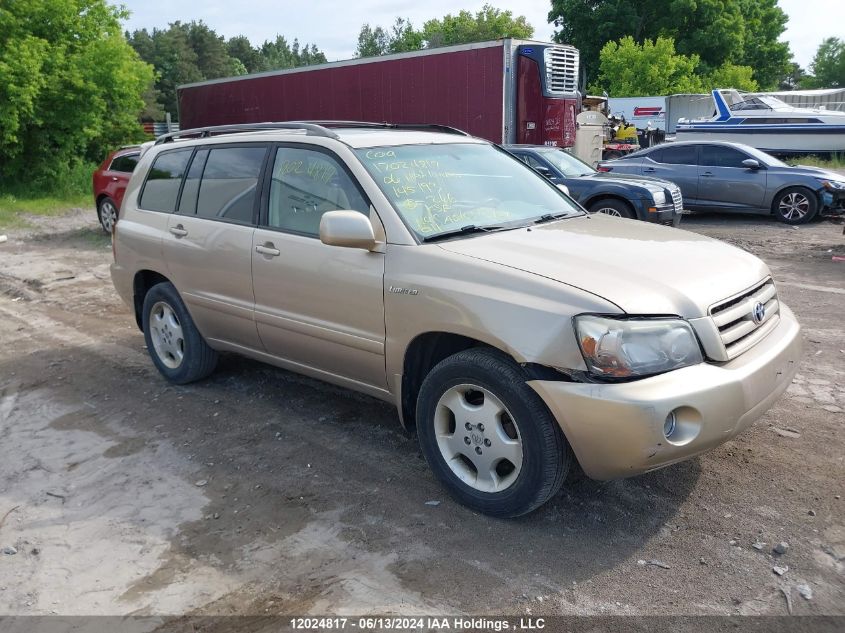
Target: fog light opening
{"x": 670, "y": 425}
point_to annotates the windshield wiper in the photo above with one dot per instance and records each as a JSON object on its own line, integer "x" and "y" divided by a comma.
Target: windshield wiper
{"x": 464, "y": 230}
{"x": 549, "y": 217}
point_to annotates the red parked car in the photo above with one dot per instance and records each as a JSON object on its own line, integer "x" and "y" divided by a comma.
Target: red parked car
{"x": 110, "y": 182}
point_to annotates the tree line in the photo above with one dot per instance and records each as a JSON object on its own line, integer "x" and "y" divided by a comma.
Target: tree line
{"x": 73, "y": 84}
{"x": 189, "y": 52}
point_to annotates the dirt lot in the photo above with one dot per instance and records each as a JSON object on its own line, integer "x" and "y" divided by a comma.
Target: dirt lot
{"x": 258, "y": 491}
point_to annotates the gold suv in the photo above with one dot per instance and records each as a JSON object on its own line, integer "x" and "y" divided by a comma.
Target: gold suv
{"x": 513, "y": 330}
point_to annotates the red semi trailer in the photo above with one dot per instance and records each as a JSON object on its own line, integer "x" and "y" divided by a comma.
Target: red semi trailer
{"x": 507, "y": 91}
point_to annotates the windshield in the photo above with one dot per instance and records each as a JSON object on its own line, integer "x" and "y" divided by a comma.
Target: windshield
{"x": 566, "y": 163}
{"x": 447, "y": 187}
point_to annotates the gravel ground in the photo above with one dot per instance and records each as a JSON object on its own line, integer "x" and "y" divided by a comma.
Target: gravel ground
{"x": 258, "y": 491}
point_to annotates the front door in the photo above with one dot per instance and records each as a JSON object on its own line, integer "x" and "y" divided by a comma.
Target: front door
{"x": 725, "y": 183}
{"x": 317, "y": 307}
{"x": 208, "y": 244}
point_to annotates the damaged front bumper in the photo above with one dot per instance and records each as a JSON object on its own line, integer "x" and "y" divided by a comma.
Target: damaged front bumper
{"x": 618, "y": 430}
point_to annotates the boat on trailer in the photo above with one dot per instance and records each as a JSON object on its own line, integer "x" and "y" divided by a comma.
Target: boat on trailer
{"x": 768, "y": 124}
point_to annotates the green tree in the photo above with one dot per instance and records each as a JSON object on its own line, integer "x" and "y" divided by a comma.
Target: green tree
{"x": 828, "y": 66}
{"x": 279, "y": 55}
{"x": 464, "y": 28}
{"x": 731, "y": 76}
{"x": 770, "y": 58}
{"x": 793, "y": 78}
{"x": 241, "y": 48}
{"x": 372, "y": 42}
{"x": 628, "y": 69}
{"x": 739, "y": 32}
{"x": 488, "y": 23}
{"x": 70, "y": 86}
{"x": 404, "y": 37}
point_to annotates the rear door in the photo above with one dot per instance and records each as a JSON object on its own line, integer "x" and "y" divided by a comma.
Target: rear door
{"x": 118, "y": 175}
{"x": 208, "y": 246}
{"x": 725, "y": 183}
{"x": 677, "y": 164}
{"x": 318, "y": 307}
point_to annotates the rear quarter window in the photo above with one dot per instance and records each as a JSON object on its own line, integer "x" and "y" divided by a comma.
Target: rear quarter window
{"x": 125, "y": 163}
{"x": 161, "y": 190}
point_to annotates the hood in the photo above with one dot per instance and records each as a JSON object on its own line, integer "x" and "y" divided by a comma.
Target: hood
{"x": 642, "y": 268}
{"x": 630, "y": 179}
{"x": 816, "y": 172}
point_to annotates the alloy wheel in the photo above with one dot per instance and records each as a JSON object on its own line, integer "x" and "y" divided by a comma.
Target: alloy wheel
{"x": 108, "y": 215}
{"x": 478, "y": 438}
{"x": 794, "y": 206}
{"x": 166, "y": 335}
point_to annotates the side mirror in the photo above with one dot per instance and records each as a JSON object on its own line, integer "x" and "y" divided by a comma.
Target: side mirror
{"x": 563, "y": 188}
{"x": 751, "y": 163}
{"x": 351, "y": 229}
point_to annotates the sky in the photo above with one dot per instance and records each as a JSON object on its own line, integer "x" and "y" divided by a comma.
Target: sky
{"x": 333, "y": 25}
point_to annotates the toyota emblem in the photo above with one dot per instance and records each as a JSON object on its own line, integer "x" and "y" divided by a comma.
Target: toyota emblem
{"x": 758, "y": 313}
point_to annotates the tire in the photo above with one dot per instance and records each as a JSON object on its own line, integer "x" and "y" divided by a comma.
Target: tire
{"x": 175, "y": 344}
{"x": 107, "y": 214}
{"x": 795, "y": 205}
{"x": 612, "y": 207}
{"x": 528, "y": 456}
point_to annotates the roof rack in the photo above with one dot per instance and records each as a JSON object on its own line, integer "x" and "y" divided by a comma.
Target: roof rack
{"x": 215, "y": 130}
{"x": 446, "y": 129}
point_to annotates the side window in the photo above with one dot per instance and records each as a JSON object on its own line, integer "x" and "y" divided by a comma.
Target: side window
{"x": 191, "y": 188}
{"x": 162, "y": 187}
{"x": 307, "y": 183}
{"x": 229, "y": 182}
{"x": 125, "y": 163}
{"x": 656, "y": 155}
{"x": 681, "y": 155}
{"x": 534, "y": 163}
{"x": 717, "y": 156}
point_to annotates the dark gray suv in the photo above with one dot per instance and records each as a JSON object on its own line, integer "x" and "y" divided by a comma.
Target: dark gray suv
{"x": 723, "y": 176}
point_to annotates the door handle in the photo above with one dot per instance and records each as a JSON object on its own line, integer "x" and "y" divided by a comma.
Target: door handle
{"x": 649, "y": 170}
{"x": 268, "y": 249}
{"x": 178, "y": 230}
{"x": 114, "y": 178}
{"x": 707, "y": 174}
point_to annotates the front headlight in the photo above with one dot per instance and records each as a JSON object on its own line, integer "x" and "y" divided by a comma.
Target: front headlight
{"x": 659, "y": 197}
{"x": 631, "y": 347}
{"x": 833, "y": 185}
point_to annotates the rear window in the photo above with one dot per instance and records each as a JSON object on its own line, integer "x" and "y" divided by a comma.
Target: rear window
{"x": 125, "y": 163}
{"x": 681, "y": 155}
{"x": 162, "y": 187}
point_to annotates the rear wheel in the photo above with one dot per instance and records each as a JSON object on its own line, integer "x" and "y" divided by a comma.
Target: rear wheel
{"x": 107, "y": 214}
{"x": 616, "y": 208}
{"x": 796, "y": 205}
{"x": 488, "y": 437}
{"x": 175, "y": 344}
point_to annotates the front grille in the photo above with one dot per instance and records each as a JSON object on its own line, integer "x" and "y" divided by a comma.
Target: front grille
{"x": 734, "y": 318}
{"x": 677, "y": 200}
{"x": 561, "y": 69}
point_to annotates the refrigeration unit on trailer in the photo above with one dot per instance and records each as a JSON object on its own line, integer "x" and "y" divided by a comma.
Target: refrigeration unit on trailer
{"x": 506, "y": 91}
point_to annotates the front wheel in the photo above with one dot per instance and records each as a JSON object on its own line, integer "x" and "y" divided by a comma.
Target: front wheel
{"x": 796, "y": 205}
{"x": 488, "y": 437}
{"x": 616, "y": 208}
{"x": 175, "y": 344}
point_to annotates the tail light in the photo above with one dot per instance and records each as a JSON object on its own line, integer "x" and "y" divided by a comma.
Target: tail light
{"x": 604, "y": 168}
